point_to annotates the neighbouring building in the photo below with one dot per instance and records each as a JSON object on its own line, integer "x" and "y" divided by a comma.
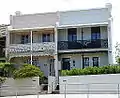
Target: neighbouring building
{"x": 3, "y": 31}
{"x": 61, "y": 40}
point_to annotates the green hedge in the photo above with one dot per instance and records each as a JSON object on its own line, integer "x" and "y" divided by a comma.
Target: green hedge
{"x": 111, "y": 69}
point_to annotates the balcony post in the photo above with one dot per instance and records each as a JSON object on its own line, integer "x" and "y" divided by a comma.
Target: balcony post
{"x": 109, "y": 29}
{"x": 82, "y": 47}
{"x": 7, "y": 45}
{"x": 56, "y": 52}
{"x": 31, "y": 47}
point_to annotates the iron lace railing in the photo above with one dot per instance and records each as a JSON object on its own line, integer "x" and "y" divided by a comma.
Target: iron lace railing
{"x": 83, "y": 44}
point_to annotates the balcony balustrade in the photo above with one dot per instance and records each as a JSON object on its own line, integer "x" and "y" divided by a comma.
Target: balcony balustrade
{"x": 83, "y": 44}
{"x": 45, "y": 48}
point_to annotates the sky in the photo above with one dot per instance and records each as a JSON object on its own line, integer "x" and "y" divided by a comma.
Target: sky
{"x": 9, "y": 7}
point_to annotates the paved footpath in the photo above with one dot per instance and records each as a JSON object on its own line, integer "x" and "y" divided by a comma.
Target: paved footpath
{"x": 67, "y": 96}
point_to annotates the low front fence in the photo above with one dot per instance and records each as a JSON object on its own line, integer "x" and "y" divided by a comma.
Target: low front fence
{"x": 90, "y": 89}
{"x": 7, "y": 90}
{"x": 19, "y": 90}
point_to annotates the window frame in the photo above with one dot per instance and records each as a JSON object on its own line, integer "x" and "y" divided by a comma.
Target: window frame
{"x": 95, "y": 33}
{"x": 72, "y": 34}
{"x": 98, "y": 61}
{"x": 25, "y": 39}
{"x": 46, "y": 37}
{"x": 84, "y": 66}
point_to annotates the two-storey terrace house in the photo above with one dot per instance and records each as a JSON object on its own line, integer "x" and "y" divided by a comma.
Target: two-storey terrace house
{"x": 61, "y": 40}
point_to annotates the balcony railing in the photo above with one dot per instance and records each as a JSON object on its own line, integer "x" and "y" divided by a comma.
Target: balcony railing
{"x": 46, "y": 48}
{"x": 83, "y": 44}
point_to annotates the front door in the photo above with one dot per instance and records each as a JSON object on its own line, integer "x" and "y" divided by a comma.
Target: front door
{"x": 66, "y": 64}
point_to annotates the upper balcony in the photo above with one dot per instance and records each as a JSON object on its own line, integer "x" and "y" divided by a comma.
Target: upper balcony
{"x": 42, "y": 43}
{"x": 83, "y": 44}
{"x": 95, "y": 37}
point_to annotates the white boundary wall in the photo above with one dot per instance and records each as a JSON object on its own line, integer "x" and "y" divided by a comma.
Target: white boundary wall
{"x": 20, "y": 86}
{"x": 97, "y": 83}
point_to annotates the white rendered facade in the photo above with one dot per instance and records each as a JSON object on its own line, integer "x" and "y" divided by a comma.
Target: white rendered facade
{"x": 74, "y": 39}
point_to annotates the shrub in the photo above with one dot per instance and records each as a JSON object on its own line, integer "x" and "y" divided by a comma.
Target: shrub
{"x": 6, "y": 69}
{"x": 2, "y": 80}
{"x": 28, "y": 71}
{"x": 64, "y": 72}
{"x": 92, "y": 71}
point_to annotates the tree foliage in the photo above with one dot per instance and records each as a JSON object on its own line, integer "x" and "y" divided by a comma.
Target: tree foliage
{"x": 6, "y": 69}
{"x": 28, "y": 71}
{"x": 117, "y": 53}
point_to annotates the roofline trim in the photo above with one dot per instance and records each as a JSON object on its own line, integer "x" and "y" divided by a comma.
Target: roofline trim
{"x": 34, "y": 28}
{"x": 84, "y": 25}
{"x": 61, "y": 26}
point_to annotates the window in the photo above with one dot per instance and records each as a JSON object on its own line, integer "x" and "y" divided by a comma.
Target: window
{"x": 72, "y": 36}
{"x": 85, "y": 62}
{"x": 95, "y": 61}
{"x": 65, "y": 63}
{"x": 25, "y": 39}
{"x": 95, "y": 33}
{"x": 46, "y": 37}
{"x": 34, "y": 61}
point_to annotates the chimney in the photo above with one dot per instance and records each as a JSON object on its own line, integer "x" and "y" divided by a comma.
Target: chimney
{"x": 18, "y": 13}
{"x": 109, "y": 6}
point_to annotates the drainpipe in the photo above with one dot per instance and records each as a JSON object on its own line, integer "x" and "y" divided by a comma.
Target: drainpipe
{"x": 31, "y": 45}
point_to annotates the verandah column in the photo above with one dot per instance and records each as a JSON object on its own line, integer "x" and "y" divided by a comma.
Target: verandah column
{"x": 56, "y": 52}
{"x": 7, "y": 45}
{"x": 109, "y": 28}
{"x": 31, "y": 47}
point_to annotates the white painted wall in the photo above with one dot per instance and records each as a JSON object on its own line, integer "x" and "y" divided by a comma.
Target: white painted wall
{"x": 33, "y": 20}
{"x": 62, "y": 35}
{"x": 103, "y": 59}
{"x": 84, "y": 16}
{"x": 21, "y": 86}
{"x": 105, "y": 83}
{"x": 36, "y": 37}
{"x": 15, "y": 38}
{"x": 43, "y": 63}
{"x": 87, "y": 33}
{"x": 104, "y": 32}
